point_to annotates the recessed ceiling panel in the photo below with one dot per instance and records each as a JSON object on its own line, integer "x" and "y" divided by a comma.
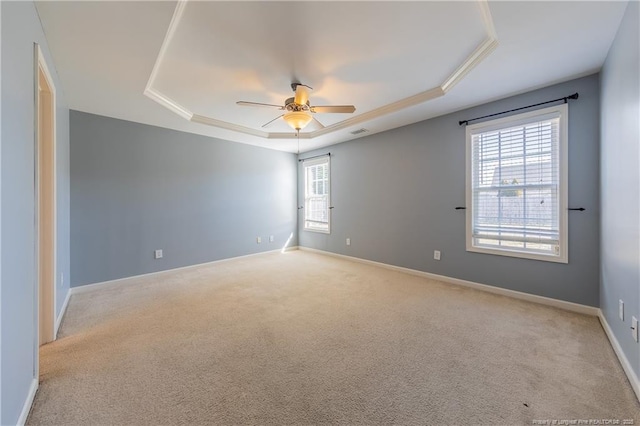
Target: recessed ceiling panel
{"x": 369, "y": 54}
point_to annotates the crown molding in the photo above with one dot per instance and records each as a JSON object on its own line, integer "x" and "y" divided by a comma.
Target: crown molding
{"x": 149, "y": 91}
{"x": 202, "y": 119}
{"x": 168, "y": 103}
{"x": 474, "y": 59}
{"x": 421, "y": 97}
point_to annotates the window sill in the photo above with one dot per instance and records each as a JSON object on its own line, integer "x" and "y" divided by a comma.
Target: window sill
{"x": 562, "y": 258}
{"x": 318, "y": 231}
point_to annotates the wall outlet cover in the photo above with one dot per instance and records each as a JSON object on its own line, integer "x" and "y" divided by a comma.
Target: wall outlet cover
{"x": 258, "y": 240}
{"x": 621, "y": 310}
{"x": 436, "y": 254}
{"x": 634, "y": 328}
{"x": 348, "y": 241}
{"x": 157, "y": 254}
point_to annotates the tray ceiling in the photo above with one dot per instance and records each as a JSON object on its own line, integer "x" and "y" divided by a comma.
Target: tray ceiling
{"x": 397, "y": 62}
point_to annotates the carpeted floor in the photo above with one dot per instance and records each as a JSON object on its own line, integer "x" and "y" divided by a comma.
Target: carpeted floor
{"x": 302, "y": 338}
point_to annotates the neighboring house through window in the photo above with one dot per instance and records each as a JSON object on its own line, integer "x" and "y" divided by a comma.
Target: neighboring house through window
{"x": 316, "y": 194}
{"x": 517, "y": 185}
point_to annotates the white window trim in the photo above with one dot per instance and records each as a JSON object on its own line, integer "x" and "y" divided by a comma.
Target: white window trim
{"x": 307, "y": 163}
{"x": 563, "y": 112}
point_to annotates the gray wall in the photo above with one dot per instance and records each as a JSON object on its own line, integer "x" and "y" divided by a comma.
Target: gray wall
{"x": 620, "y": 182}
{"x": 395, "y": 192}
{"x": 20, "y": 29}
{"x": 136, "y": 188}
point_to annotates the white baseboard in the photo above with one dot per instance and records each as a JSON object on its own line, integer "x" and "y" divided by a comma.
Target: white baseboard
{"x": 26, "y": 408}
{"x": 626, "y": 365}
{"x": 568, "y": 306}
{"x": 91, "y": 287}
{"x": 61, "y": 314}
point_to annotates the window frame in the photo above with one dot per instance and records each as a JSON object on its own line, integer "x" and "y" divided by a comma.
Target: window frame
{"x": 562, "y": 113}
{"x": 310, "y": 163}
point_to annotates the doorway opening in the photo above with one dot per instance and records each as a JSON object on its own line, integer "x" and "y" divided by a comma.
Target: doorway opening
{"x": 45, "y": 180}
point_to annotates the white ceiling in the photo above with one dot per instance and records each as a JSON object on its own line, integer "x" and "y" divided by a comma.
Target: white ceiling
{"x": 397, "y": 62}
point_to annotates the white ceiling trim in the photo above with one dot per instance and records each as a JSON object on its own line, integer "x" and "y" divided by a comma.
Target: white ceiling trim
{"x": 203, "y": 119}
{"x": 154, "y": 94}
{"x": 421, "y": 97}
{"x": 479, "y": 54}
{"x": 168, "y": 103}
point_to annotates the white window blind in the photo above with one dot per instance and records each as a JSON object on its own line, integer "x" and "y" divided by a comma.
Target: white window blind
{"x": 517, "y": 185}
{"x": 316, "y": 195}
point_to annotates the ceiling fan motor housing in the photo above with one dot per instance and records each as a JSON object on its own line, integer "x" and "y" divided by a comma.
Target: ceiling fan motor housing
{"x": 291, "y": 105}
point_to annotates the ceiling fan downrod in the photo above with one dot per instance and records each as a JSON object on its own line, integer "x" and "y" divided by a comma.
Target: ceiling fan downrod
{"x": 294, "y": 86}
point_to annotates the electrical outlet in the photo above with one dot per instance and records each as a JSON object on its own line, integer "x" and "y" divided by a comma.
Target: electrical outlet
{"x": 436, "y": 254}
{"x": 271, "y": 238}
{"x": 158, "y": 254}
{"x": 621, "y": 310}
{"x": 348, "y": 241}
{"x": 258, "y": 240}
{"x": 62, "y": 279}
{"x": 634, "y": 328}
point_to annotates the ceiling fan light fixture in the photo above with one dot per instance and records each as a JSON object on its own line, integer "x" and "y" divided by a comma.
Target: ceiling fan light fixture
{"x": 299, "y": 109}
{"x": 297, "y": 120}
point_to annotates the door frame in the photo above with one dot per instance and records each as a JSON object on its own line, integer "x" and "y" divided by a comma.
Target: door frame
{"x": 0, "y": 217}
{"x": 46, "y": 294}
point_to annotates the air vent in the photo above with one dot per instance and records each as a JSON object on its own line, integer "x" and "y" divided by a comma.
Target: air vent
{"x": 357, "y": 132}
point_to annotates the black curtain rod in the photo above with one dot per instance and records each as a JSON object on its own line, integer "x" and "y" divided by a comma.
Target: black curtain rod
{"x": 565, "y": 99}
{"x": 315, "y": 156}
{"x": 580, "y": 209}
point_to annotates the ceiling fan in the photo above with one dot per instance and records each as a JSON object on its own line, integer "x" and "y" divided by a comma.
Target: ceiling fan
{"x": 298, "y": 109}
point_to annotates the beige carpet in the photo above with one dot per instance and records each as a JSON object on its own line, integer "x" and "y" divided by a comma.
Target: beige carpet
{"x": 302, "y": 338}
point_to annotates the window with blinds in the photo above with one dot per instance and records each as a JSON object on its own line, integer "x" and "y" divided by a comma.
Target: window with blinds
{"x": 316, "y": 195}
{"x": 516, "y": 185}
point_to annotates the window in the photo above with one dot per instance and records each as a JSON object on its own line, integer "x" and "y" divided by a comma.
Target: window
{"x": 316, "y": 195}
{"x": 517, "y": 185}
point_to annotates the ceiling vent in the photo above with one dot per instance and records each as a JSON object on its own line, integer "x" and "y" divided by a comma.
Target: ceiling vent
{"x": 357, "y": 132}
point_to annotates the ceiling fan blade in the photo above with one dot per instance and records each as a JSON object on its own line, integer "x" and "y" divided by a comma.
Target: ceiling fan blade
{"x": 266, "y": 124}
{"x": 258, "y": 104}
{"x": 346, "y": 109}
{"x": 302, "y": 94}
